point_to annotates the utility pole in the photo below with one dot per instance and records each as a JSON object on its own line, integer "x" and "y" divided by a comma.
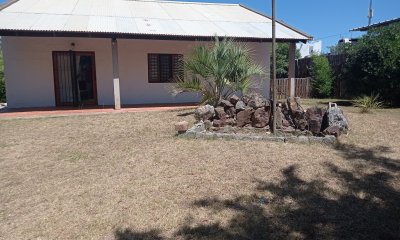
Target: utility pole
{"x": 274, "y": 87}
{"x": 370, "y": 13}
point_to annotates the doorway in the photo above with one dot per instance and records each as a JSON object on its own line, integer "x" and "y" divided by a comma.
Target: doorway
{"x": 75, "y": 78}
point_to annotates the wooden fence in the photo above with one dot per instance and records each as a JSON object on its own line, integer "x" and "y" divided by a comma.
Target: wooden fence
{"x": 302, "y": 87}
{"x": 337, "y": 62}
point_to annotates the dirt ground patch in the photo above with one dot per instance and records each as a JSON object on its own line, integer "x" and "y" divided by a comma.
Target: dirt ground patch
{"x": 126, "y": 176}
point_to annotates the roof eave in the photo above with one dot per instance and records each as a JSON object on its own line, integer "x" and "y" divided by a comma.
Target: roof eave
{"x": 32, "y": 33}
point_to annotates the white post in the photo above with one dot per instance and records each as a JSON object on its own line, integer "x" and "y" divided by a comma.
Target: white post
{"x": 117, "y": 96}
{"x": 292, "y": 87}
{"x": 292, "y": 68}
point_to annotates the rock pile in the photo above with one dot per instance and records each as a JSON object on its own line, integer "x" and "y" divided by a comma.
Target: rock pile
{"x": 254, "y": 111}
{"x": 315, "y": 120}
{"x": 251, "y": 110}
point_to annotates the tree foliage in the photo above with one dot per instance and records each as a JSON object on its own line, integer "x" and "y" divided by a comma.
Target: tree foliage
{"x": 373, "y": 65}
{"x": 218, "y": 71}
{"x": 282, "y": 59}
{"x": 2, "y": 82}
{"x": 322, "y": 76}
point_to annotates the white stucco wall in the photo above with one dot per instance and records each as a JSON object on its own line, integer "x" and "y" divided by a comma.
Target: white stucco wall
{"x": 29, "y": 69}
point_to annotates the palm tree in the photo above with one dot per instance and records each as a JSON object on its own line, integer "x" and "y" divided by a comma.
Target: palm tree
{"x": 218, "y": 71}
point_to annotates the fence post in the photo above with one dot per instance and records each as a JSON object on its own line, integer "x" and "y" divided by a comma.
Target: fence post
{"x": 292, "y": 87}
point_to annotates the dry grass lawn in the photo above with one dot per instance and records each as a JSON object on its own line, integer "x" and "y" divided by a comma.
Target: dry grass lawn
{"x": 126, "y": 176}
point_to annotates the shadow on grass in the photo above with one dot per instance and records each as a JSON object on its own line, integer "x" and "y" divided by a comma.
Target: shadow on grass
{"x": 128, "y": 234}
{"x": 362, "y": 204}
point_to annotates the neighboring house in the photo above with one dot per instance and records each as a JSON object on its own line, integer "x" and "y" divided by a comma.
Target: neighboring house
{"x": 309, "y": 48}
{"x": 107, "y": 52}
{"x": 377, "y": 25}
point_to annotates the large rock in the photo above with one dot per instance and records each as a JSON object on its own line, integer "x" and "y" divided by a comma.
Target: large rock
{"x": 301, "y": 124}
{"x": 218, "y": 123}
{"x": 205, "y": 112}
{"x": 314, "y": 116}
{"x": 240, "y": 106}
{"x": 231, "y": 112}
{"x": 234, "y": 99}
{"x": 225, "y": 103}
{"x": 334, "y": 117}
{"x": 244, "y": 117}
{"x": 198, "y": 127}
{"x": 220, "y": 113}
{"x": 181, "y": 127}
{"x": 294, "y": 105}
{"x": 260, "y": 118}
{"x": 279, "y": 118}
{"x": 255, "y": 100}
{"x": 333, "y": 130}
{"x": 314, "y": 125}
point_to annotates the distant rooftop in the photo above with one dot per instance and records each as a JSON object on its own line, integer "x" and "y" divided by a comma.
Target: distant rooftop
{"x": 379, "y": 24}
{"x": 139, "y": 18}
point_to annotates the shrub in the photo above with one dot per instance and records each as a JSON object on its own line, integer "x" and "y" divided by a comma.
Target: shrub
{"x": 367, "y": 103}
{"x": 218, "y": 71}
{"x": 374, "y": 65}
{"x": 322, "y": 76}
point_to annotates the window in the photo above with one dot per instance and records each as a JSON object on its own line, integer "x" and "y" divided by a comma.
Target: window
{"x": 165, "y": 67}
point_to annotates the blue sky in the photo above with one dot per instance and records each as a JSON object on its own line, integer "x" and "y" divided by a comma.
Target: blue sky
{"x": 328, "y": 20}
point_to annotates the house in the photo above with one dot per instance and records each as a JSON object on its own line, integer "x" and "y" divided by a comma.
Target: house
{"x": 309, "y": 48}
{"x": 377, "y": 25}
{"x": 113, "y": 52}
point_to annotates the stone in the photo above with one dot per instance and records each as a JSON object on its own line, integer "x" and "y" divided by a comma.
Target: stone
{"x": 218, "y": 123}
{"x": 333, "y": 130}
{"x": 181, "y": 127}
{"x": 234, "y": 99}
{"x": 197, "y": 128}
{"x": 231, "y": 112}
{"x": 314, "y": 125}
{"x": 230, "y": 122}
{"x": 285, "y": 123}
{"x": 225, "y": 103}
{"x": 334, "y": 117}
{"x": 208, "y": 124}
{"x": 205, "y": 112}
{"x": 228, "y": 129}
{"x": 302, "y": 124}
{"x": 220, "y": 113}
{"x": 255, "y": 100}
{"x": 294, "y": 105}
{"x": 240, "y": 106}
{"x": 244, "y": 117}
{"x": 260, "y": 118}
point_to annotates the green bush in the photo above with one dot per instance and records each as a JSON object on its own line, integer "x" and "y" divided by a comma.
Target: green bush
{"x": 218, "y": 71}
{"x": 367, "y": 103}
{"x": 374, "y": 65}
{"x": 2, "y": 82}
{"x": 322, "y": 76}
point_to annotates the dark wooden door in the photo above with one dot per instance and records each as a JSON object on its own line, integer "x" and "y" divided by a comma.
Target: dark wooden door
{"x": 75, "y": 78}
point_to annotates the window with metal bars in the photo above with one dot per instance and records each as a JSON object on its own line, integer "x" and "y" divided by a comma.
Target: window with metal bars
{"x": 164, "y": 68}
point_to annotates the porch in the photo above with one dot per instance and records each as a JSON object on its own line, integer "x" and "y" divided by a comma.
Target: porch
{"x": 11, "y": 113}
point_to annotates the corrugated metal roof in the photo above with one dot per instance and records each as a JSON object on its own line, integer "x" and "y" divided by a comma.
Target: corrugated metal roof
{"x": 379, "y": 24}
{"x": 142, "y": 17}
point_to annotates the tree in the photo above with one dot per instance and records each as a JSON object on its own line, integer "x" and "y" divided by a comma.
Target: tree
{"x": 282, "y": 59}
{"x": 322, "y": 76}
{"x": 218, "y": 71}
{"x": 2, "y": 82}
{"x": 374, "y": 66}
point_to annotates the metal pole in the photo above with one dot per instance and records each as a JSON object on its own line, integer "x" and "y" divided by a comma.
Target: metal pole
{"x": 274, "y": 87}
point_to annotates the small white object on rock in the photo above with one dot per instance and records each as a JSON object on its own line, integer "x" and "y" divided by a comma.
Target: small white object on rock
{"x": 181, "y": 127}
